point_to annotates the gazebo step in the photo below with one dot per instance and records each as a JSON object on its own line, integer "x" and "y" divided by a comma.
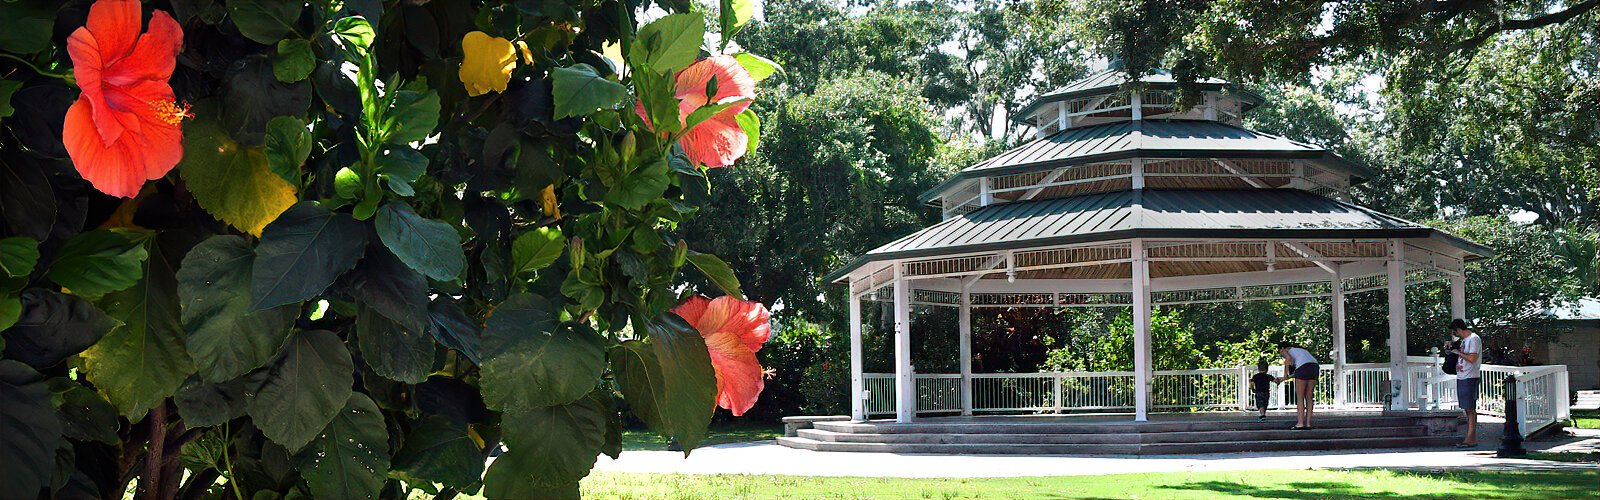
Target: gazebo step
{"x": 1123, "y": 449}
{"x": 1023, "y": 426}
{"x": 925, "y": 438}
{"x": 1122, "y": 438}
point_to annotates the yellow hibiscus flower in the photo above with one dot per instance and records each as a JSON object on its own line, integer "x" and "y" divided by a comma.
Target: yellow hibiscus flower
{"x": 486, "y": 63}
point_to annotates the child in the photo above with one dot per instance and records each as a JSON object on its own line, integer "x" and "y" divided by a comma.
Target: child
{"x": 1261, "y": 384}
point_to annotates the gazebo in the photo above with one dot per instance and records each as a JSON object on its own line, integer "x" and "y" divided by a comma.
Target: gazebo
{"x": 1125, "y": 199}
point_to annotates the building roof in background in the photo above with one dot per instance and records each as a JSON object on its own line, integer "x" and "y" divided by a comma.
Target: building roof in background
{"x": 1584, "y": 309}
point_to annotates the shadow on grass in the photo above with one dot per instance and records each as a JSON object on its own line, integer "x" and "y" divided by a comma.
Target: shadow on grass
{"x": 1568, "y": 483}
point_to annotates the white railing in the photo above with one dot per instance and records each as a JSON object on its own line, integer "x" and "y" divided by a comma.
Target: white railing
{"x": 1543, "y": 390}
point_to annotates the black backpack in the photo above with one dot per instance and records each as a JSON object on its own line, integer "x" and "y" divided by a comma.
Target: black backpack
{"x": 1451, "y": 358}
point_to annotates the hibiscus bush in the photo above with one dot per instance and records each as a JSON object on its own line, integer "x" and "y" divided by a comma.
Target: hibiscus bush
{"x": 346, "y": 249}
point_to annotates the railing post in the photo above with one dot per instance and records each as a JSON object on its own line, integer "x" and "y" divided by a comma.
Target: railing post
{"x": 1511, "y": 442}
{"x": 1056, "y": 396}
{"x": 1563, "y": 395}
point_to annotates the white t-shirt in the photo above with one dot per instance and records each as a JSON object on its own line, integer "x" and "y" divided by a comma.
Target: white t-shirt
{"x": 1300, "y": 356}
{"x": 1468, "y": 369}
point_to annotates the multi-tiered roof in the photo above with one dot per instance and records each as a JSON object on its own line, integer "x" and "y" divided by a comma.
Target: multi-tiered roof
{"x": 1112, "y": 162}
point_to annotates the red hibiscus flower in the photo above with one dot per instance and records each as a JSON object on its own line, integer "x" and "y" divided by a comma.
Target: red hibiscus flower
{"x": 734, "y": 330}
{"x": 123, "y": 129}
{"x": 718, "y": 141}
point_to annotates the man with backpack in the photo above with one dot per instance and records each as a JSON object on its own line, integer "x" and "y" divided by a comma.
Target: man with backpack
{"x": 1469, "y": 355}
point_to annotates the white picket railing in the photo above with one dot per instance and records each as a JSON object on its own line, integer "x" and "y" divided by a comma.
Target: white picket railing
{"x": 1542, "y": 389}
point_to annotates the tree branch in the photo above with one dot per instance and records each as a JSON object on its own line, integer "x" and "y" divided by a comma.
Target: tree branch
{"x": 1525, "y": 24}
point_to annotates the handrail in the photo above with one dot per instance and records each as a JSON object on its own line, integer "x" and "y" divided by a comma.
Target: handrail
{"x": 1542, "y": 390}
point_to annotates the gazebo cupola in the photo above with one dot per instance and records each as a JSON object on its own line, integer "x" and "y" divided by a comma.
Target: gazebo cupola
{"x": 1099, "y": 135}
{"x": 1125, "y": 200}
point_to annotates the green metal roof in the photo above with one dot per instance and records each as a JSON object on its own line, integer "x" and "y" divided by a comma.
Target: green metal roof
{"x": 1234, "y": 214}
{"x": 1146, "y": 139}
{"x": 1109, "y": 80}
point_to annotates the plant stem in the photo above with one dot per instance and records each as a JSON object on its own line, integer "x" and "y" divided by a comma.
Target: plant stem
{"x": 63, "y": 76}
{"x": 151, "y": 482}
{"x": 227, "y": 460}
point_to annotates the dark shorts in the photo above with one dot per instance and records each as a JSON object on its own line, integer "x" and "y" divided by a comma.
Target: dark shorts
{"x": 1467, "y": 393}
{"x": 1262, "y": 399}
{"x": 1306, "y": 371}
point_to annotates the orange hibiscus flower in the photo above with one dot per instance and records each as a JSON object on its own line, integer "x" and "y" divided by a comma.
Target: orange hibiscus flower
{"x": 124, "y": 127}
{"x": 734, "y": 330}
{"x": 718, "y": 141}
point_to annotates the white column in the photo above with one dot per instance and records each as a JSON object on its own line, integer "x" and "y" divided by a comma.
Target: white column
{"x": 1458, "y": 297}
{"x": 1138, "y": 173}
{"x": 1141, "y": 333}
{"x": 1397, "y": 325}
{"x": 858, "y": 409}
{"x": 905, "y": 384}
{"x": 1341, "y": 388}
{"x": 966, "y": 350}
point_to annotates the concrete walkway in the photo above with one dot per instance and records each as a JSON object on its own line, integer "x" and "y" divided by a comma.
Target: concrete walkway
{"x": 768, "y": 458}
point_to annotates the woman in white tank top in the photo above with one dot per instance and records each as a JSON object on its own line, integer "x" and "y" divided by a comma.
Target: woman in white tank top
{"x": 1303, "y": 368}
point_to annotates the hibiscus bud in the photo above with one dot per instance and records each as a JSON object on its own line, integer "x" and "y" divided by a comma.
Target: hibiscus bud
{"x": 627, "y": 146}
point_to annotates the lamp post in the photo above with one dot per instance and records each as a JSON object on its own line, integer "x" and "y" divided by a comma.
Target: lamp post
{"x": 1511, "y": 439}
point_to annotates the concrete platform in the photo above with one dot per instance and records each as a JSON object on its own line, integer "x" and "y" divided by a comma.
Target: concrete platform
{"x": 1163, "y": 434}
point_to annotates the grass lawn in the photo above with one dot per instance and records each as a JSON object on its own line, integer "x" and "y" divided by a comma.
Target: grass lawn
{"x": 644, "y": 440}
{"x": 1229, "y": 484}
{"x": 1586, "y": 419}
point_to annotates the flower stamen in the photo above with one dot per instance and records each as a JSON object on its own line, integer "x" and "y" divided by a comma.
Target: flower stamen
{"x": 172, "y": 112}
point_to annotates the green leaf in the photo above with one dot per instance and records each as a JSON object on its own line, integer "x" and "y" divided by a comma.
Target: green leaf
{"x": 439, "y": 450}
{"x": 8, "y": 87}
{"x": 84, "y": 415}
{"x": 10, "y": 311}
{"x": 29, "y": 24}
{"x": 668, "y": 380}
{"x": 142, "y": 362}
{"x": 536, "y": 249}
{"x": 431, "y": 247}
{"x": 414, "y": 115}
{"x": 294, "y": 60}
{"x": 265, "y": 21}
{"x": 751, "y": 124}
{"x": 301, "y": 253}
{"x": 288, "y": 145}
{"x": 350, "y": 458}
{"x": 530, "y": 361}
{"x": 224, "y": 336}
{"x": 29, "y": 431}
{"x": 452, "y": 328}
{"x": 717, "y": 271}
{"x": 578, "y": 91}
{"x": 394, "y": 352}
{"x": 642, "y": 186}
{"x": 549, "y": 449}
{"x": 98, "y": 262}
{"x": 236, "y": 184}
{"x": 660, "y": 101}
{"x": 732, "y": 16}
{"x": 51, "y": 326}
{"x": 303, "y": 389}
{"x": 669, "y": 44}
{"x": 402, "y": 163}
{"x": 355, "y": 34}
{"x": 205, "y": 404}
{"x": 18, "y": 256}
{"x": 759, "y": 67}
{"x": 384, "y": 284}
